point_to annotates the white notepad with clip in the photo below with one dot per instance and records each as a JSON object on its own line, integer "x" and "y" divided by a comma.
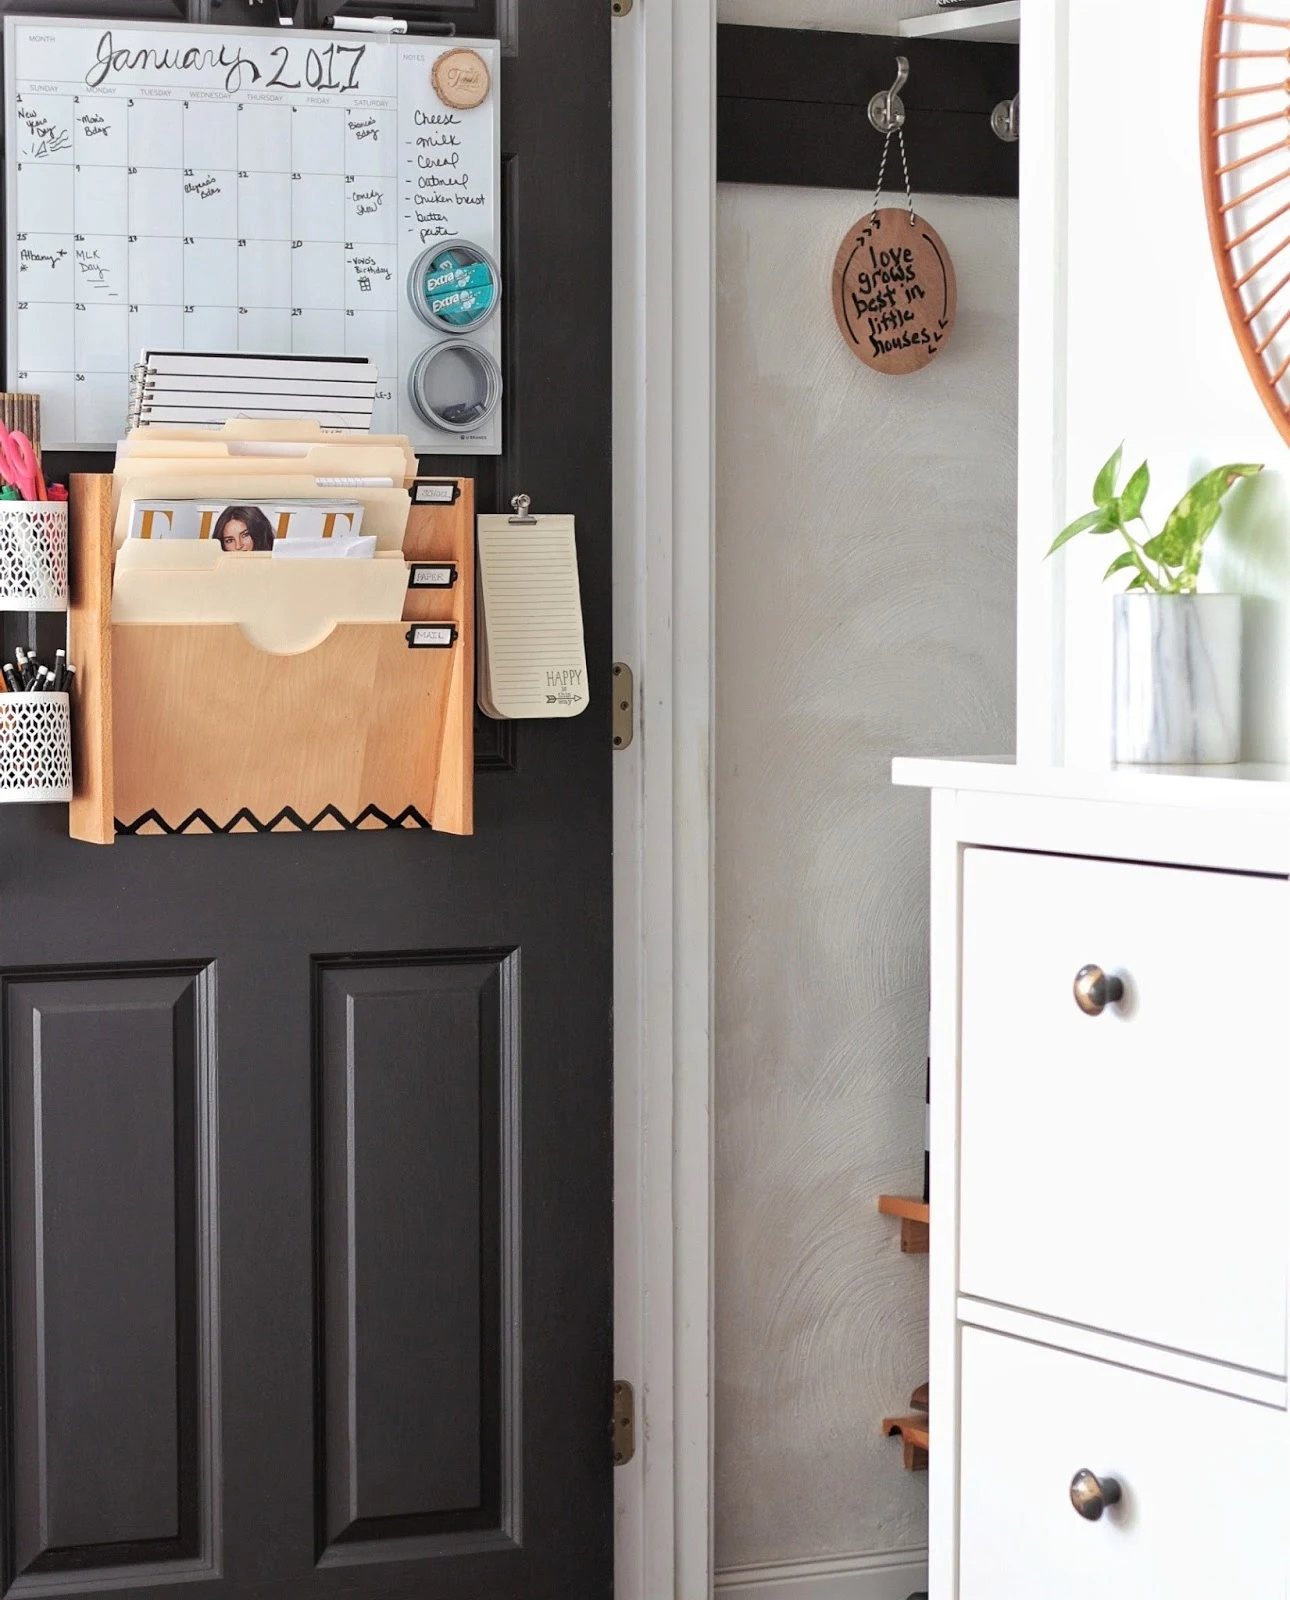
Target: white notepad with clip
{"x": 532, "y": 657}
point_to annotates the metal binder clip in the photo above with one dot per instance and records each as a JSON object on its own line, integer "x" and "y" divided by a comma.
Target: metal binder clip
{"x": 520, "y": 505}
{"x": 1005, "y": 119}
{"x": 887, "y": 109}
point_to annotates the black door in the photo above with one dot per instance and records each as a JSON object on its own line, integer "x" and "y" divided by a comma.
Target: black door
{"x": 306, "y": 1154}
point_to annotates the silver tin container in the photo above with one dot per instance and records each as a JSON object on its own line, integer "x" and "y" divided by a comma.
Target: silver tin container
{"x": 455, "y": 386}
{"x": 468, "y": 255}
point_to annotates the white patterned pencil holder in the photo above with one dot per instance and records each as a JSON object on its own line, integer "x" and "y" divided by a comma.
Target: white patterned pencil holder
{"x": 35, "y": 748}
{"x": 33, "y": 555}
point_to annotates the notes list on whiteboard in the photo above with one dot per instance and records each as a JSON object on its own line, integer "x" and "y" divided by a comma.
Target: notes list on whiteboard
{"x": 532, "y": 657}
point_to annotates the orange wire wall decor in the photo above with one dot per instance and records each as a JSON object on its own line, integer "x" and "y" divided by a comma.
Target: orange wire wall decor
{"x": 1245, "y": 154}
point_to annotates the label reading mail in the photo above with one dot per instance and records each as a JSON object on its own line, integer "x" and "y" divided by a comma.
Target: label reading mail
{"x": 432, "y": 636}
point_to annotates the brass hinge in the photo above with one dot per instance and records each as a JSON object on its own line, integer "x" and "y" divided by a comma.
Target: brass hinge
{"x": 624, "y": 692}
{"x": 623, "y": 1427}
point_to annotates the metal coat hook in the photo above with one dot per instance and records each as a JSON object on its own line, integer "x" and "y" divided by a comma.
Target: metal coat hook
{"x": 887, "y": 109}
{"x": 1005, "y": 119}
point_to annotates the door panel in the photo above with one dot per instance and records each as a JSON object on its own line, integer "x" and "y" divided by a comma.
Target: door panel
{"x": 106, "y": 1081}
{"x": 415, "y": 1061}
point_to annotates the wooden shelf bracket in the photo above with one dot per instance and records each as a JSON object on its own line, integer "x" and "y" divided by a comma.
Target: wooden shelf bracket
{"x": 915, "y": 1222}
{"x": 913, "y": 1433}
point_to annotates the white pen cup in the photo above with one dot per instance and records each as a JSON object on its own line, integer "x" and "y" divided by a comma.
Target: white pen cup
{"x": 33, "y": 555}
{"x": 35, "y": 748}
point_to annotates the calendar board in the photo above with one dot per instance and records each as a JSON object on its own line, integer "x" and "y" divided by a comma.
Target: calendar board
{"x": 209, "y": 189}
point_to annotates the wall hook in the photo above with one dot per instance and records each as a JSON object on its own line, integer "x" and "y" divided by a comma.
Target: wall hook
{"x": 1005, "y": 119}
{"x": 887, "y": 109}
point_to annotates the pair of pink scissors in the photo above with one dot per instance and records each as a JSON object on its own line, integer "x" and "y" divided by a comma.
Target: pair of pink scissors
{"x": 19, "y": 466}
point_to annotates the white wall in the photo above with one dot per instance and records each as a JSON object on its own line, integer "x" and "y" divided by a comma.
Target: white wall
{"x": 1145, "y": 353}
{"x": 865, "y": 594}
{"x": 857, "y": 16}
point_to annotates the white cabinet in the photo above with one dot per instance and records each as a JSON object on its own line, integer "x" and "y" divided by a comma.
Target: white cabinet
{"x": 1110, "y": 1183}
{"x": 1102, "y": 1155}
{"x": 1202, "y": 1481}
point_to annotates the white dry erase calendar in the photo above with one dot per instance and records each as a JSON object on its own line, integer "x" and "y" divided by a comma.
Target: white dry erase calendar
{"x": 213, "y": 190}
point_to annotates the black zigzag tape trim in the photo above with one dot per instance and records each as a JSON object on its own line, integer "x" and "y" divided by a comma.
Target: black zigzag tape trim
{"x": 287, "y": 814}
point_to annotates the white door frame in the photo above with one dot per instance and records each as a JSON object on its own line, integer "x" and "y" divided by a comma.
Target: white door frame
{"x": 664, "y": 447}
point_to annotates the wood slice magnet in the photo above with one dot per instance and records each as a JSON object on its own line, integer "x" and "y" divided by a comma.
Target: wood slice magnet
{"x": 460, "y": 79}
{"x": 894, "y": 292}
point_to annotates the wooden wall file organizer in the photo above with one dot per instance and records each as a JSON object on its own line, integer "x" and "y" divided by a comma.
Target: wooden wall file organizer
{"x": 189, "y": 728}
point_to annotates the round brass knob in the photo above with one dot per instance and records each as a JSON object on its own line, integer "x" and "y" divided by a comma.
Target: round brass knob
{"x": 1091, "y": 1495}
{"x": 1094, "y": 991}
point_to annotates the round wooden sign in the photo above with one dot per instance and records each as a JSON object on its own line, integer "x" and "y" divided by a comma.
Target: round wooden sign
{"x": 460, "y": 79}
{"x": 894, "y": 293}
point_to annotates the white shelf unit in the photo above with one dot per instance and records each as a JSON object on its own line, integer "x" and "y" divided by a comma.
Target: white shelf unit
{"x": 993, "y": 24}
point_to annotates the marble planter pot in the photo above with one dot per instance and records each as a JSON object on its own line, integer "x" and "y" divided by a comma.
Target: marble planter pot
{"x": 1177, "y": 696}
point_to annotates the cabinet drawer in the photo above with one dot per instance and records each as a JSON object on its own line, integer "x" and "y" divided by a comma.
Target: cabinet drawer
{"x": 1127, "y": 1170}
{"x": 1203, "y": 1482}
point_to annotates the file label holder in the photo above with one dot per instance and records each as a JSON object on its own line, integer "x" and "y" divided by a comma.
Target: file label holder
{"x": 432, "y": 636}
{"x": 431, "y": 575}
{"x": 435, "y": 494}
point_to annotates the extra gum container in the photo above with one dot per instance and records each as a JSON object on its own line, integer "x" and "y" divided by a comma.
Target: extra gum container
{"x": 455, "y": 287}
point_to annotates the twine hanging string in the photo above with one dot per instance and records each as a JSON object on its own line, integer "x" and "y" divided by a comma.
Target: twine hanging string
{"x": 882, "y": 173}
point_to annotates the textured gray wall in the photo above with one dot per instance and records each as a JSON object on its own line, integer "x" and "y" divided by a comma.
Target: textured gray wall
{"x": 865, "y": 607}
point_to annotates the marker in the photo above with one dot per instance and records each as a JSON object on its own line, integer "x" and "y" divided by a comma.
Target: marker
{"x": 25, "y": 673}
{"x": 390, "y": 25}
{"x": 12, "y": 681}
{"x": 60, "y": 671}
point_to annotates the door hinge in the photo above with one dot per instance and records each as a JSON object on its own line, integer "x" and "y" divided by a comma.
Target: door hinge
{"x": 623, "y": 1427}
{"x": 620, "y": 8}
{"x": 624, "y": 692}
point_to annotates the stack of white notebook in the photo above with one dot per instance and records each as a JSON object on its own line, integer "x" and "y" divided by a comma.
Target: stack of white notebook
{"x": 199, "y": 390}
{"x": 532, "y": 658}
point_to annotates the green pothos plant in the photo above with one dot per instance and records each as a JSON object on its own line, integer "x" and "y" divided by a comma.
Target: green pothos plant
{"x": 1167, "y": 562}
